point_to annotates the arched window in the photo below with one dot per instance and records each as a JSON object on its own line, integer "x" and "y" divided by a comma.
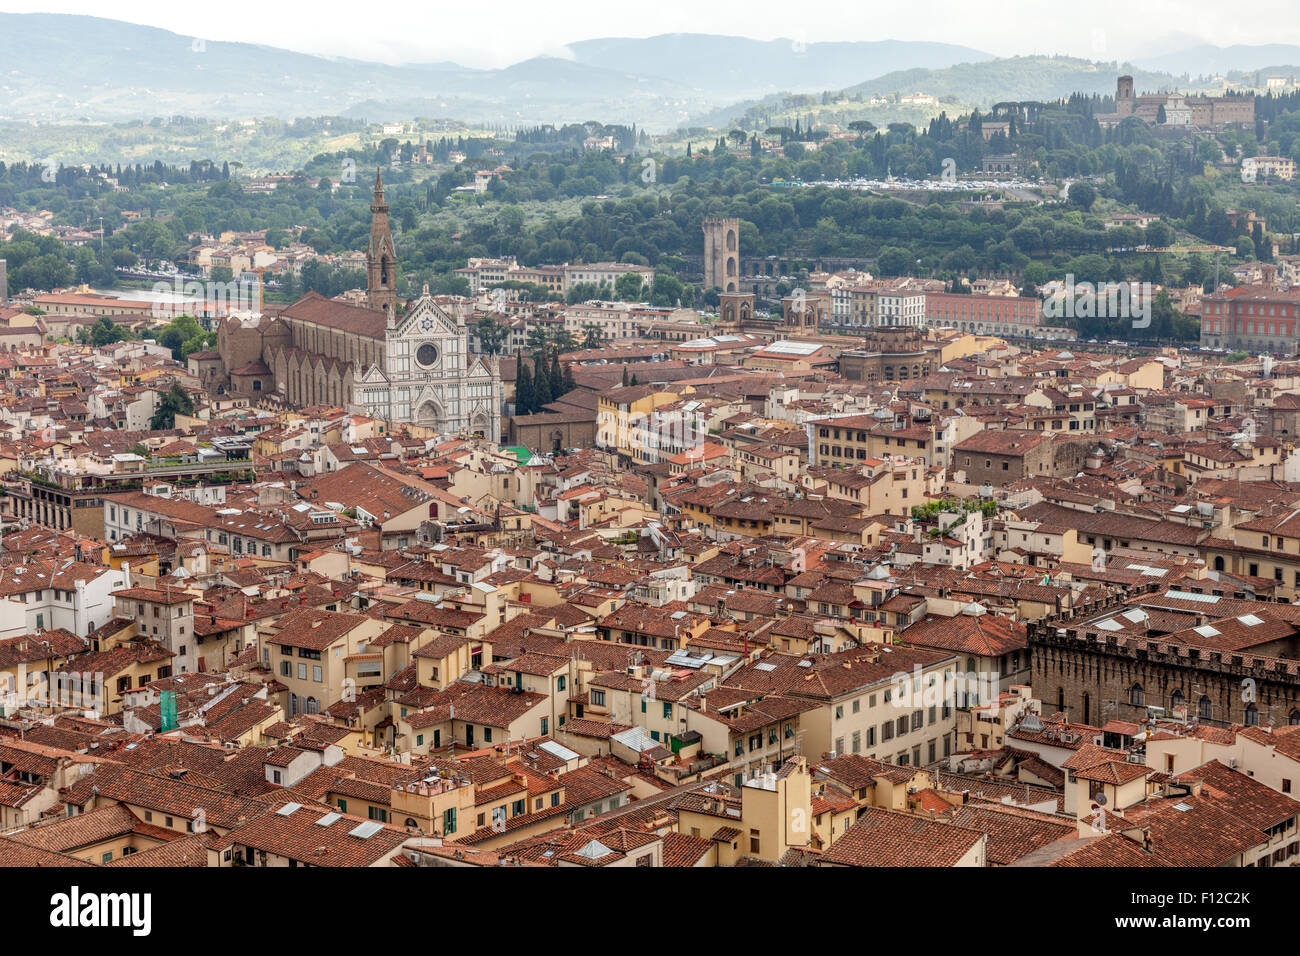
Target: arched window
{"x": 1252, "y": 716}
{"x": 1218, "y": 563}
{"x": 1293, "y": 718}
{"x": 410, "y": 822}
{"x": 1176, "y": 699}
{"x": 1137, "y": 696}
{"x": 1204, "y": 709}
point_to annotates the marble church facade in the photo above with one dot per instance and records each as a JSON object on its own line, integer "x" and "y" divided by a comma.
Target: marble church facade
{"x": 409, "y": 364}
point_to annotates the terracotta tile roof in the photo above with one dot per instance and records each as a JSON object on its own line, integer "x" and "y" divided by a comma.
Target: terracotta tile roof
{"x": 885, "y": 838}
{"x": 1012, "y": 833}
{"x": 300, "y": 837}
{"x": 13, "y": 853}
{"x": 318, "y": 310}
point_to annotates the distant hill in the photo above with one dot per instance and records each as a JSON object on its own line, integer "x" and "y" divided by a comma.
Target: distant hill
{"x": 1013, "y": 78}
{"x": 960, "y": 87}
{"x": 82, "y": 68}
{"x": 743, "y": 67}
{"x": 89, "y": 68}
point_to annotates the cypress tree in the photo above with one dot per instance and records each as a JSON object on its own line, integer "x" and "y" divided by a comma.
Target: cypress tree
{"x": 557, "y": 377}
{"x": 523, "y": 389}
{"x": 541, "y": 382}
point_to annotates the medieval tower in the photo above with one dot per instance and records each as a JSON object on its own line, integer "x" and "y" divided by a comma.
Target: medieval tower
{"x": 381, "y": 258}
{"x": 1124, "y": 102}
{"x": 722, "y": 254}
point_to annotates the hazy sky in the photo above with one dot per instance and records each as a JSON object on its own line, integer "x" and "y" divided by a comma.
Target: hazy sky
{"x": 500, "y": 32}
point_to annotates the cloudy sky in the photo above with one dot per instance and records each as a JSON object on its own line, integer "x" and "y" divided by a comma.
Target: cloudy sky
{"x": 500, "y": 32}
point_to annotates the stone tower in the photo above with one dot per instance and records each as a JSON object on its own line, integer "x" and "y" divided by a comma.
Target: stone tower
{"x": 804, "y": 313}
{"x": 722, "y": 254}
{"x": 1124, "y": 103}
{"x": 735, "y": 310}
{"x": 381, "y": 258}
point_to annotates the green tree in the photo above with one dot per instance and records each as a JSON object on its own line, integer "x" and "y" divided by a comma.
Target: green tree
{"x": 627, "y": 288}
{"x": 1082, "y": 195}
{"x": 492, "y": 335}
{"x": 523, "y": 389}
{"x": 104, "y": 332}
{"x": 176, "y": 402}
{"x": 542, "y": 394}
{"x": 556, "y": 377}
{"x": 183, "y": 335}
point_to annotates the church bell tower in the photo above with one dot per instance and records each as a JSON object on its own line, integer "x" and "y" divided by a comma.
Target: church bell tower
{"x": 381, "y": 258}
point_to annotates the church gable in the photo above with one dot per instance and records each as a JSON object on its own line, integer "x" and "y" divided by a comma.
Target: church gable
{"x": 373, "y": 376}
{"x": 424, "y": 319}
{"x": 480, "y": 369}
